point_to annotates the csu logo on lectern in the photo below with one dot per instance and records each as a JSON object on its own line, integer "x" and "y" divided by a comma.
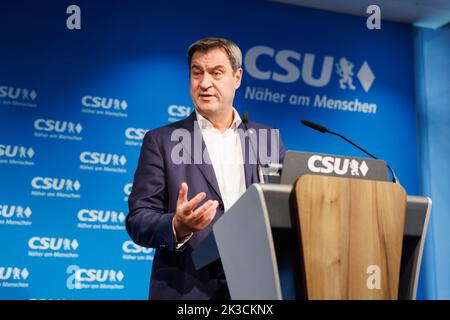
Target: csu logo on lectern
{"x": 339, "y": 166}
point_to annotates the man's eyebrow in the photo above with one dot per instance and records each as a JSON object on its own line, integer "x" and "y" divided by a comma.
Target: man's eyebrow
{"x": 218, "y": 67}
{"x": 212, "y": 68}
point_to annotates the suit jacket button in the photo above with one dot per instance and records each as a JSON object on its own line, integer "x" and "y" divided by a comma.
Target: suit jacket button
{"x": 221, "y": 207}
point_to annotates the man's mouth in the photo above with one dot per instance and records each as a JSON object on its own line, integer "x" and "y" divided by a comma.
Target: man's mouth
{"x": 207, "y": 96}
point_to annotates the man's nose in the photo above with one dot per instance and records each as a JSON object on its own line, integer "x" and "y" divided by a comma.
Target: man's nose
{"x": 206, "y": 81}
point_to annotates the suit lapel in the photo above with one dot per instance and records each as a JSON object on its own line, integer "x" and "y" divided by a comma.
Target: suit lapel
{"x": 199, "y": 157}
{"x": 205, "y": 166}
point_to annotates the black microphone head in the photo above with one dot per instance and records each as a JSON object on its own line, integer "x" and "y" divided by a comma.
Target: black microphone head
{"x": 245, "y": 117}
{"x": 315, "y": 126}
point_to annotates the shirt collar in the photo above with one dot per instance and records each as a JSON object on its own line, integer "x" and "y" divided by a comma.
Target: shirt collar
{"x": 205, "y": 123}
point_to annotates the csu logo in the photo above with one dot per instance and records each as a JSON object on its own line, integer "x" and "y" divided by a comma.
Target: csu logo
{"x": 14, "y": 211}
{"x": 134, "y": 136}
{"x": 339, "y": 166}
{"x": 17, "y": 93}
{"x": 13, "y": 273}
{"x": 16, "y": 151}
{"x": 127, "y": 188}
{"x": 54, "y": 244}
{"x": 131, "y": 247}
{"x": 104, "y": 103}
{"x": 103, "y": 216}
{"x": 80, "y": 278}
{"x": 127, "y": 191}
{"x": 179, "y": 111}
{"x": 55, "y": 184}
{"x": 135, "y": 133}
{"x": 50, "y": 125}
{"x": 295, "y": 67}
{"x": 106, "y": 159}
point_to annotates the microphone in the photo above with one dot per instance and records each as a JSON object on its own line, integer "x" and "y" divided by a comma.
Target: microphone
{"x": 252, "y": 131}
{"x": 315, "y": 126}
{"x": 322, "y": 129}
{"x": 245, "y": 118}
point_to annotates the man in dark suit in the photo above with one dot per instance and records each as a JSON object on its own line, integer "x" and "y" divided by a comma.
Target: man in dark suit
{"x": 190, "y": 172}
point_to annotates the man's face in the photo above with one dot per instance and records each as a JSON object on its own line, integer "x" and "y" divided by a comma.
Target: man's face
{"x": 213, "y": 82}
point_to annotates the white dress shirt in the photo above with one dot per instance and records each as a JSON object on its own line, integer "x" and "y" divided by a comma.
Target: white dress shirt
{"x": 225, "y": 153}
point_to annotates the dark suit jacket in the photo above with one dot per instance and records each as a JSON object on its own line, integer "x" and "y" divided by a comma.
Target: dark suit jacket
{"x": 152, "y": 205}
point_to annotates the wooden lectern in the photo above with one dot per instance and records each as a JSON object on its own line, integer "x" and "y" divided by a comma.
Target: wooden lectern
{"x": 350, "y": 236}
{"x": 320, "y": 237}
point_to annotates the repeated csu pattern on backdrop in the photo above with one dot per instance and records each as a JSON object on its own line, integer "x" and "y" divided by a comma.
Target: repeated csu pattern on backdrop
{"x": 75, "y": 106}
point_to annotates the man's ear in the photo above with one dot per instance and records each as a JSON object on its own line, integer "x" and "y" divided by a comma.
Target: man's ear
{"x": 238, "y": 78}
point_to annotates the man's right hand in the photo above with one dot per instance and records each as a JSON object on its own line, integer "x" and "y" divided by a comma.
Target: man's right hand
{"x": 187, "y": 218}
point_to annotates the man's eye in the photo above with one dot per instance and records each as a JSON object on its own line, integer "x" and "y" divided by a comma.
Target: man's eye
{"x": 217, "y": 73}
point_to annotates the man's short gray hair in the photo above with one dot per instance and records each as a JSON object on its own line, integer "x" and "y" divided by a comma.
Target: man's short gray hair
{"x": 206, "y": 44}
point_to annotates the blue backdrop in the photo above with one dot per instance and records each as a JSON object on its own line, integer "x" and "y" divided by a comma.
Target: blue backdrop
{"x": 74, "y": 106}
{"x": 432, "y": 49}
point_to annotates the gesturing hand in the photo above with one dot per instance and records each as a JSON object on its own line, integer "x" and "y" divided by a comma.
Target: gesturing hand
{"x": 187, "y": 219}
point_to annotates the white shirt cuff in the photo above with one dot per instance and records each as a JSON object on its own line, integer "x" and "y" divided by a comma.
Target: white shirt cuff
{"x": 183, "y": 241}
